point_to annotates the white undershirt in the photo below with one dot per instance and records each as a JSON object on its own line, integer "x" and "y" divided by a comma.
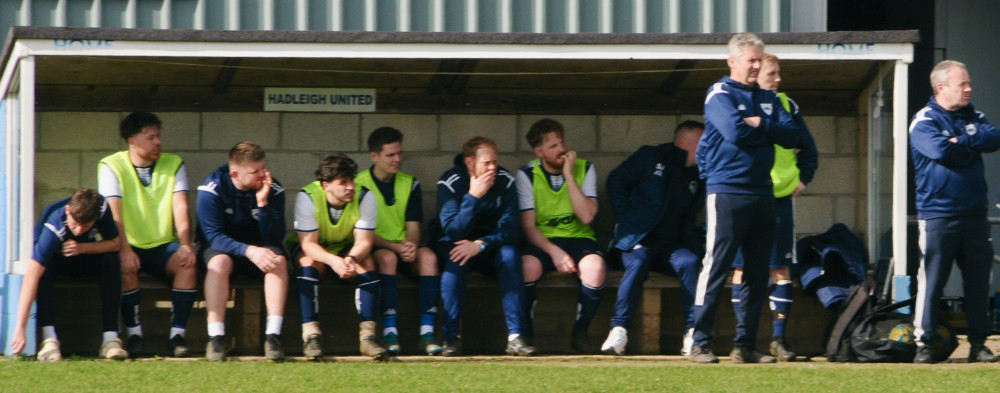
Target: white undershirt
{"x": 109, "y": 187}
{"x": 305, "y": 213}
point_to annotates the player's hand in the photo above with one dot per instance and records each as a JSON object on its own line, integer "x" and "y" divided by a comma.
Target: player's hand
{"x": 953, "y": 140}
{"x": 350, "y": 267}
{"x": 407, "y": 251}
{"x": 564, "y": 263}
{"x": 753, "y": 121}
{"x": 265, "y": 189}
{"x": 569, "y": 160}
{"x": 798, "y": 189}
{"x": 71, "y": 248}
{"x": 463, "y": 251}
{"x": 17, "y": 342}
{"x": 480, "y": 185}
{"x": 265, "y": 259}
{"x": 130, "y": 261}
{"x": 185, "y": 256}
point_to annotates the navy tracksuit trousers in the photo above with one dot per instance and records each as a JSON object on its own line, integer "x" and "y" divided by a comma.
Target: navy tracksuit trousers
{"x": 504, "y": 262}
{"x": 965, "y": 240}
{"x": 736, "y": 223}
{"x": 678, "y": 262}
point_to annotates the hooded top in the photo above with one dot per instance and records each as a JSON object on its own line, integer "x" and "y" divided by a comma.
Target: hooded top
{"x": 492, "y": 218}
{"x": 950, "y": 180}
{"x": 229, "y": 219}
{"x": 733, "y": 157}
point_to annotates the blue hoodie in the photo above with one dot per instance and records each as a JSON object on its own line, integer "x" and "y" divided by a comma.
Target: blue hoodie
{"x": 950, "y": 180}
{"x": 733, "y": 157}
{"x": 492, "y": 218}
{"x": 229, "y": 219}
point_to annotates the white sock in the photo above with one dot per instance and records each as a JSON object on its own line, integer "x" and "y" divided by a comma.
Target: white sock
{"x": 274, "y": 324}
{"x": 134, "y": 330}
{"x": 108, "y": 336}
{"x": 49, "y": 332}
{"x": 512, "y": 337}
{"x": 175, "y": 331}
{"x": 389, "y": 330}
{"x": 216, "y": 329}
{"x": 426, "y": 329}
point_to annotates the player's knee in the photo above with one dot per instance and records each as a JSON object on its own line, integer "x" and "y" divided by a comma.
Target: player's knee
{"x": 386, "y": 261}
{"x": 592, "y": 270}
{"x": 531, "y": 267}
{"x": 780, "y": 274}
{"x": 427, "y": 264}
{"x": 368, "y": 263}
{"x": 220, "y": 264}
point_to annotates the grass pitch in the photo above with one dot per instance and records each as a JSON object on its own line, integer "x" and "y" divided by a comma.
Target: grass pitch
{"x": 485, "y": 374}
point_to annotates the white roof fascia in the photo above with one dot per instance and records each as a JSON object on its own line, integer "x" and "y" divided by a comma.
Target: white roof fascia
{"x": 889, "y": 51}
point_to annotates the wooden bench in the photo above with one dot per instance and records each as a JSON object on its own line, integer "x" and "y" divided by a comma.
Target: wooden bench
{"x": 246, "y": 314}
{"x": 657, "y": 327}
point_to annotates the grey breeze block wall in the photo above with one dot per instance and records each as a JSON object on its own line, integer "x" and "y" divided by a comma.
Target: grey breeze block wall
{"x": 70, "y": 144}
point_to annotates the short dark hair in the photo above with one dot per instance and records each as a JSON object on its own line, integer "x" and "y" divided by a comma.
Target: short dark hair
{"x": 542, "y": 127}
{"x": 383, "y": 136}
{"x": 470, "y": 146}
{"x": 86, "y": 205}
{"x": 135, "y": 122}
{"x": 245, "y": 152}
{"x": 689, "y": 125}
{"x": 335, "y": 166}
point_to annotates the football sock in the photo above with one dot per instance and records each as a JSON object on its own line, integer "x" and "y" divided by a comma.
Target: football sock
{"x": 308, "y": 286}
{"x": 781, "y": 305}
{"x": 427, "y": 301}
{"x": 587, "y": 301}
{"x": 366, "y": 296}
{"x": 390, "y": 300}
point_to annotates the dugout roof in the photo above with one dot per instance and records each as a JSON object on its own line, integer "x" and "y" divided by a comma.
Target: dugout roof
{"x": 113, "y": 69}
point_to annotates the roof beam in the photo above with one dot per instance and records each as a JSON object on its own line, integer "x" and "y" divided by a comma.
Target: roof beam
{"x": 676, "y": 77}
{"x": 452, "y": 77}
{"x": 226, "y": 74}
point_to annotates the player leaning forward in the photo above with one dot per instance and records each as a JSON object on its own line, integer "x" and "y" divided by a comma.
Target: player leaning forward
{"x": 557, "y": 193}
{"x": 148, "y": 194}
{"x": 241, "y": 225}
{"x": 335, "y": 224}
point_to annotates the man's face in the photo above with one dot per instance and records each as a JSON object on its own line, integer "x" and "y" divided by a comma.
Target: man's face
{"x": 484, "y": 161}
{"x": 769, "y": 76}
{"x": 146, "y": 144}
{"x": 389, "y": 159}
{"x": 76, "y": 227}
{"x": 551, "y": 150}
{"x": 339, "y": 191}
{"x": 745, "y": 67}
{"x": 688, "y": 140}
{"x": 248, "y": 176}
{"x": 957, "y": 93}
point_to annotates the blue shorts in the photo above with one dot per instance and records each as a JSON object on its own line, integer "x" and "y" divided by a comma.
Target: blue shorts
{"x": 576, "y": 247}
{"x": 154, "y": 260}
{"x": 407, "y": 269}
{"x": 241, "y": 264}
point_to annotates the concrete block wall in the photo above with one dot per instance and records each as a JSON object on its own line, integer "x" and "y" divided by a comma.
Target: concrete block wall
{"x": 70, "y": 144}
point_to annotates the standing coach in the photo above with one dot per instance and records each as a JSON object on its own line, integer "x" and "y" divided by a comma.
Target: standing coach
{"x": 947, "y": 138}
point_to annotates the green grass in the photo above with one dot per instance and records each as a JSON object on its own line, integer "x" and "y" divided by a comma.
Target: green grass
{"x": 494, "y": 375}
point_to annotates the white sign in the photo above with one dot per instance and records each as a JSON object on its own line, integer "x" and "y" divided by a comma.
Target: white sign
{"x": 295, "y": 99}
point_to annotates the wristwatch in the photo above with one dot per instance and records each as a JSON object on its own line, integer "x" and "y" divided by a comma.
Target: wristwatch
{"x": 482, "y": 244}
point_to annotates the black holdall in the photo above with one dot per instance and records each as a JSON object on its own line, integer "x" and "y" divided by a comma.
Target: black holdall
{"x": 871, "y": 343}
